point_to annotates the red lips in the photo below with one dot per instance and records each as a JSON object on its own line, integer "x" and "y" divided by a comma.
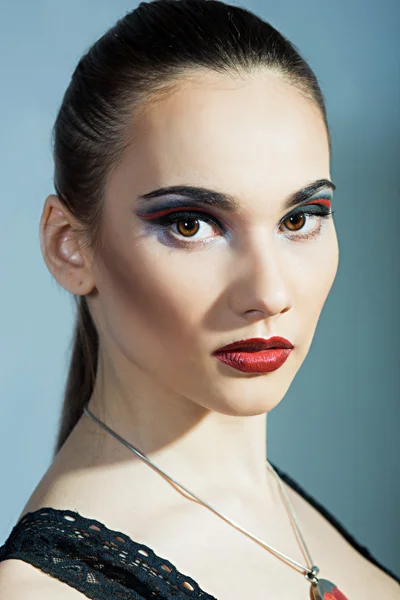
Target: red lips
{"x": 256, "y": 344}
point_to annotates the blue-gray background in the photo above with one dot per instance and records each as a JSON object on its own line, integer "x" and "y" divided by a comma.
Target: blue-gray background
{"x": 337, "y": 429}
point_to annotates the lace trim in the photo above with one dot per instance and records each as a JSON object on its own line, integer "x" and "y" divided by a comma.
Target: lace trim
{"x": 100, "y": 562}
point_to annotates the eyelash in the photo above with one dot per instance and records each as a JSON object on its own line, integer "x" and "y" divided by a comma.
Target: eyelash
{"x": 169, "y": 219}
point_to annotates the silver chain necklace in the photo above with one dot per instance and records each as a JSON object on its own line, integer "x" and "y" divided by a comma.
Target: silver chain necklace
{"x": 322, "y": 589}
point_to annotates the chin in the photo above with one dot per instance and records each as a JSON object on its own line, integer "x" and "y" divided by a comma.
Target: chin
{"x": 247, "y": 396}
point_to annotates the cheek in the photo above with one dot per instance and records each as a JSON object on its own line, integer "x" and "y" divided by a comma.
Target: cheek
{"x": 149, "y": 300}
{"x": 154, "y": 301}
{"x": 316, "y": 272}
{"x": 329, "y": 261}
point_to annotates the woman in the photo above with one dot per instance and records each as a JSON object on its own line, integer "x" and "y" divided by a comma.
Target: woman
{"x": 192, "y": 211}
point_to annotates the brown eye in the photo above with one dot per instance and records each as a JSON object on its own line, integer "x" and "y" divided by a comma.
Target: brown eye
{"x": 187, "y": 225}
{"x": 296, "y": 222}
{"x": 188, "y": 230}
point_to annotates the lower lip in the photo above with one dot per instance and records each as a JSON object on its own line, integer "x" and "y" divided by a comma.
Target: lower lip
{"x": 263, "y": 361}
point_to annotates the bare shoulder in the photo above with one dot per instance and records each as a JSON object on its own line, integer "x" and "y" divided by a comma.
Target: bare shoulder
{"x": 338, "y": 560}
{"x": 22, "y": 581}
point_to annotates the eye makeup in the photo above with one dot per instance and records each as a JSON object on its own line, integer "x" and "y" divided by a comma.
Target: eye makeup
{"x": 324, "y": 201}
{"x": 317, "y": 209}
{"x": 165, "y": 220}
{"x": 179, "y": 205}
{"x": 166, "y": 215}
{"x": 199, "y": 195}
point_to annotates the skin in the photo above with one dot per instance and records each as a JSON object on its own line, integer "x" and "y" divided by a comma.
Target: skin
{"x": 161, "y": 311}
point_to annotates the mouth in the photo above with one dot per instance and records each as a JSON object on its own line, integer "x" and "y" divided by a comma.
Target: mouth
{"x": 256, "y": 345}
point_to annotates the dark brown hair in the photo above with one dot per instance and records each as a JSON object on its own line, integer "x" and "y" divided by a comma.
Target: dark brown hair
{"x": 136, "y": 63}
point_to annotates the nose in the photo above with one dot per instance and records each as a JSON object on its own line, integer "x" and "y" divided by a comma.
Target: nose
{"x": 262, "y": 287}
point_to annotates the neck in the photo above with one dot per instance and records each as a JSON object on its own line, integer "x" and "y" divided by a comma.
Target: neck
{"x": 204, "y": 450}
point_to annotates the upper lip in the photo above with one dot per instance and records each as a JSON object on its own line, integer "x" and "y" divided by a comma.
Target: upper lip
{"x": 254, "y": 344}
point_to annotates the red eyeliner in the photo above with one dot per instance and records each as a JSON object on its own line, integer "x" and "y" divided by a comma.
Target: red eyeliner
{"x": 320, "y": 201}
{"x": 167, "y": 211}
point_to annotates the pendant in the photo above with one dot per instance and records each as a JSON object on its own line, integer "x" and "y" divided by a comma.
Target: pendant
{"x": 326, "y": 590}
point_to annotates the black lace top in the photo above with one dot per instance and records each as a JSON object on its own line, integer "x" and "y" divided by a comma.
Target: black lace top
{"x": 105, "y": 564}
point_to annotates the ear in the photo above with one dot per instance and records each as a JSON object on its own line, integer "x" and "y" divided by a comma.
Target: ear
{"x": 65, "y": 256}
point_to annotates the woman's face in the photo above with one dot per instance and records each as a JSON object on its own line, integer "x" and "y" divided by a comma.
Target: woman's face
{"x": 169, "y": 295}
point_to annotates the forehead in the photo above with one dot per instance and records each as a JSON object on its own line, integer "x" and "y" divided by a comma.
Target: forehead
{"x": 250, "y": 136}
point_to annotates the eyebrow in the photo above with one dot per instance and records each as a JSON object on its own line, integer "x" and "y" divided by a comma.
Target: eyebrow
{"x": 229, "y": 203}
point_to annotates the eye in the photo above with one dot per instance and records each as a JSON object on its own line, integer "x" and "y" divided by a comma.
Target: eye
{"x": 296, "y": 222}
{"x": 188, "y": 225}
{"x": 307, "y": 222}
{"x": 184, "y": 227}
